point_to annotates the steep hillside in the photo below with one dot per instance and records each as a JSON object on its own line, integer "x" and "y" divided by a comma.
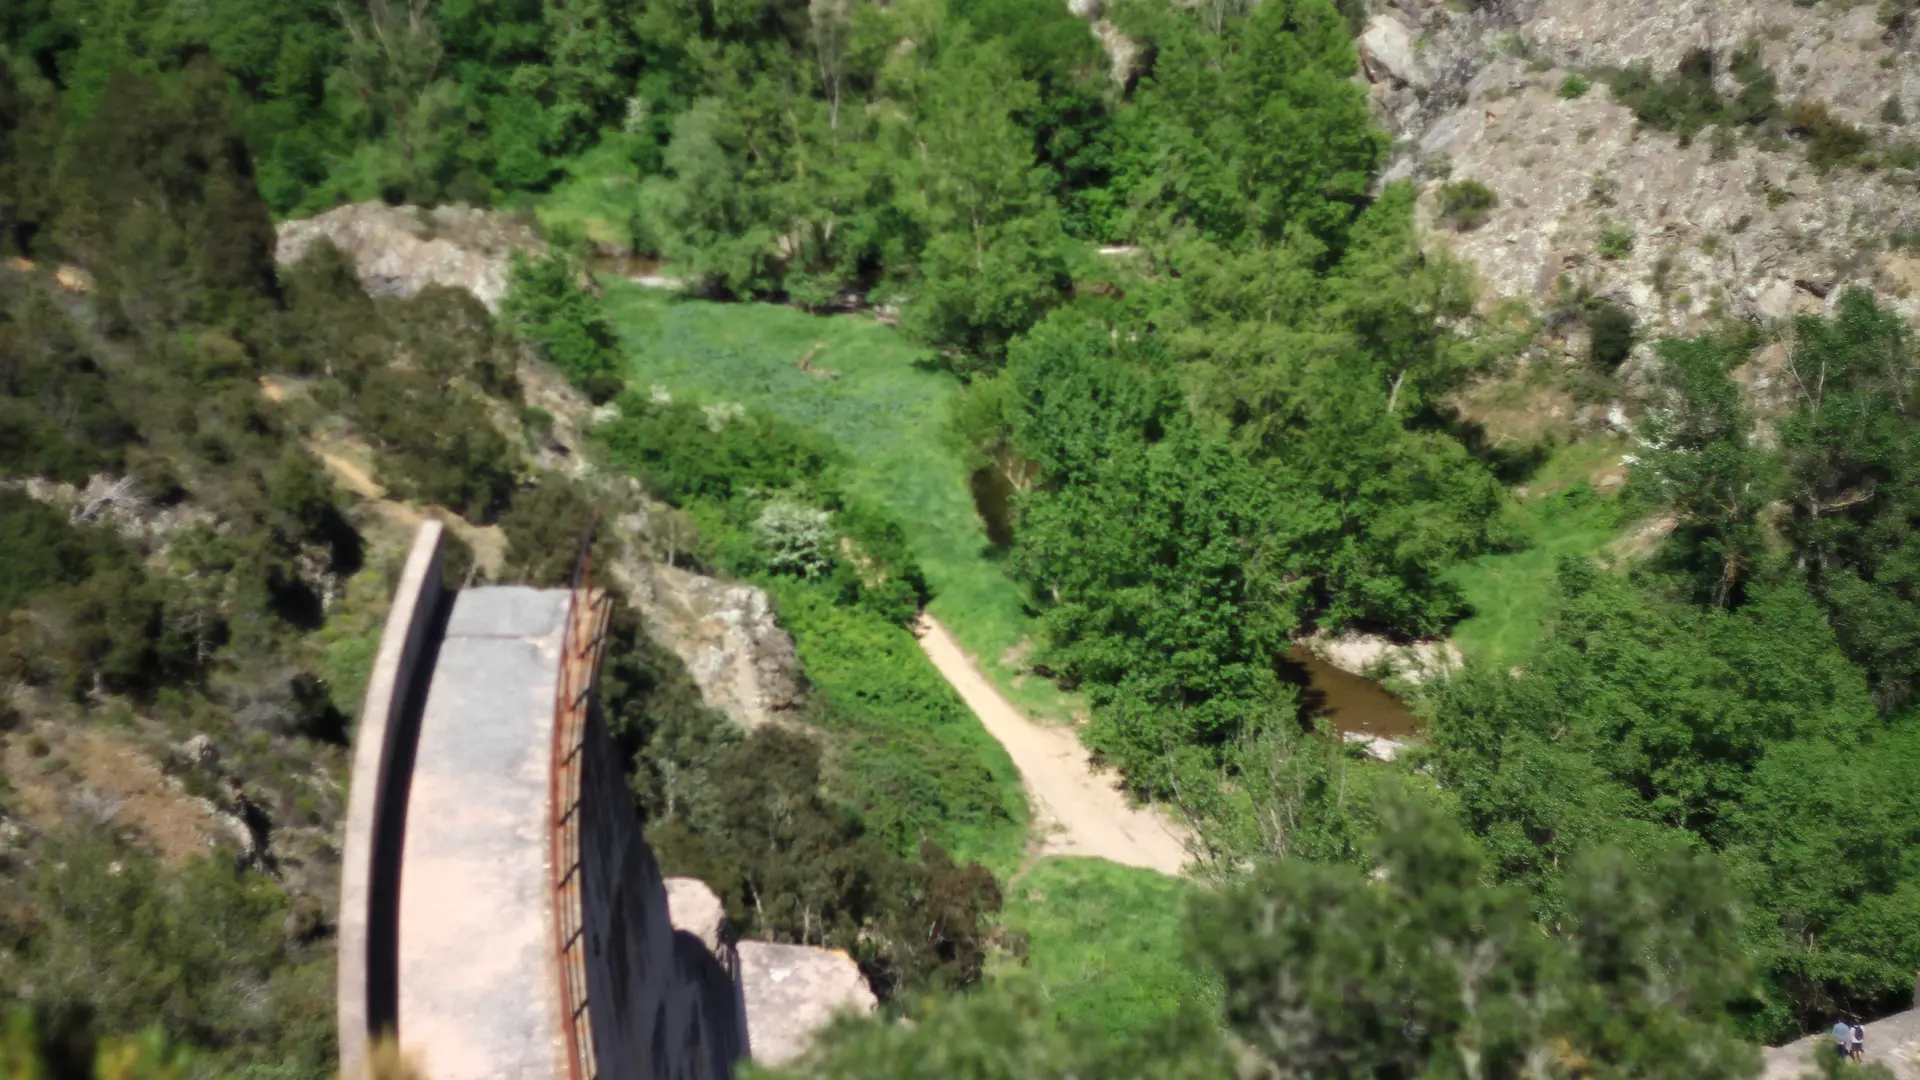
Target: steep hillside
{"x": 1757, "y": 162}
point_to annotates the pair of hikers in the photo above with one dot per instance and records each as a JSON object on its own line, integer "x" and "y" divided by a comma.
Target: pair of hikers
{"x": 1850, "y": 1039}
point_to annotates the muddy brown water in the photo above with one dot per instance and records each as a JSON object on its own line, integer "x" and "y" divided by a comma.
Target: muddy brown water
{"x": 1349, "y": 702}
{"x": 993, "y": 486}
{"x": 623, "y": 265}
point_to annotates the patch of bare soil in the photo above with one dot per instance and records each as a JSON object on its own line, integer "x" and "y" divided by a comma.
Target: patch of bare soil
{"x": 1511, "y": 412}
{"x": 91, "y": 773}
{"x": 346, "y": 463}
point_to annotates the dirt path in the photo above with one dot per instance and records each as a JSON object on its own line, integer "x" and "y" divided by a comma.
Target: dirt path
{"x": 1076, "y": 810}
{"x": 1893, "y": 1041}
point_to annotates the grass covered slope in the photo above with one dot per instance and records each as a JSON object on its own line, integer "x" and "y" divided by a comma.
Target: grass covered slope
{"x": 910, "y": 755}
{"x": 1561, "y": 513}
{"x": 877, "y": 397}
{"x": 1105, "y": 944}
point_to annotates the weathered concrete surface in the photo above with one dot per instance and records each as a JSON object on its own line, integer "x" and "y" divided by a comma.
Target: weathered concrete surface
{"x": 664, "y": 1007}
{"x": 792, "y": 991}
{"x": 376, "y": 804}
{"x": 478, "y": 991}
{"x": 1893, "y": 1042}
{"x": 789, "y": 992}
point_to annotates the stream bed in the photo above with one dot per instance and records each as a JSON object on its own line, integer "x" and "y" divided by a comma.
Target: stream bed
{"x": 1350, "y": 703}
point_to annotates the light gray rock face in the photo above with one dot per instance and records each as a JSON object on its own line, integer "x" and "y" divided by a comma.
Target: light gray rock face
{"x": 792, "y": 991}
{"x": 694, "y": 907}
{"x": 399, "y": 250}
{"x": 1742, "y": 232}
{"x": 726, "y": 635}
{"x": 1367, "y": 655}
{"x": 1387, "y": 52}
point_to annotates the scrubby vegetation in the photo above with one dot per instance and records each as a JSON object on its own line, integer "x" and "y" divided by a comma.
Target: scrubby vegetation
{"x": 1466, "y": 204}
{"x": 1609, "y": 334}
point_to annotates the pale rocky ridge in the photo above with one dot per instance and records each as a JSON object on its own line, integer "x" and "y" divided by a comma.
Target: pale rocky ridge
{"x": 724, "y": 632}
{"x": 399, "y": 250}
{"x": 1760, "y": 235}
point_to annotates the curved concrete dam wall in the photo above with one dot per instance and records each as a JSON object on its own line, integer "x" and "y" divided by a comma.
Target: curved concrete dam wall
{"x": 501, "y": 914}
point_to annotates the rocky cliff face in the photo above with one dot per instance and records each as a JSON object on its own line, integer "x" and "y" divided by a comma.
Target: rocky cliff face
{"x": 725, "y": 633}
{"x": 1722, "y": 227}
{"x": 399, "y": 250}
{"x": 790, "y": 991}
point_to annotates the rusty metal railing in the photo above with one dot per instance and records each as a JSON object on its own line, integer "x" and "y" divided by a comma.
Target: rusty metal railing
{"x": 580, "y": 647}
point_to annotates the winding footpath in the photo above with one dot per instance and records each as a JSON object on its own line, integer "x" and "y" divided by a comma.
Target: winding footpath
{"x": 1076, "y": 810}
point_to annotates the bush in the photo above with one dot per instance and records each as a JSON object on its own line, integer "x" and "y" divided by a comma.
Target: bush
{"x": 549, "y": 310}
{"x": 1685, "y": 101}
{"x": 1829, "y": 140}
{"x": 1609, "y": 334}
{"x": 1616, "y": 241}
{"x": 1466, "y": 204}
{"x": 684, "y": 452}
{"x": 39, "y": 550}
{"x": 1575, "y": 85}
{"x": 797, "y": 539}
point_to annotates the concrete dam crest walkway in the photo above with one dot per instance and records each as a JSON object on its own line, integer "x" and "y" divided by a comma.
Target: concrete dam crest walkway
{"x": 501, "y": 915}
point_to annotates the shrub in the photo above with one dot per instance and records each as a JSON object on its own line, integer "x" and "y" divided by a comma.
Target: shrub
{"x": 1575, "y": 85}
{"x": 797, "y": 539}
{"x": 549, "y": 310}
{"x": 39, "y": 549}
{"x": 1609, "y": 334}
{"x": 1830, "y": 141}
{"x": 1616, "y": 241}
{"x": 1685, "y": 101}
{"x": 683, "y": 452}
{"x": 1891, "y": 112}
{"x": 1466, "y": 204}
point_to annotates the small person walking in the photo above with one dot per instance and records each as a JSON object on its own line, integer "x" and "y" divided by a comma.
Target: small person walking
{"x": 1859, "y": 1041}
{"x": 1843, "y": 1038}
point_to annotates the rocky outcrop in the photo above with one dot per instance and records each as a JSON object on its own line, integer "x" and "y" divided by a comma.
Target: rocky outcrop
{"x": 117, "y": 503}
{"x": 1388, "y": 53}
{"x": 694, "y": 907}
{"x": 726, "y": 635}
{"x": 1747, "y": 230}
{"x": 791, "y": 991}
{"x": 1373, "y": 656}
{"x": 399, "y": 250}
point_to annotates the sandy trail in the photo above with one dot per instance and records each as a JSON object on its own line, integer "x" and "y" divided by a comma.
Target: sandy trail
{"x": 1077, "y": 811}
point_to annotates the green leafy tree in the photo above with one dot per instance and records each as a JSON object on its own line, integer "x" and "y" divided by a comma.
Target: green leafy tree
{"x": 1849, "y": 451}
{"x": 1641, "y": 720}
{"x": 391, "y": 88}
{"x": 1700, "y": 461}
{"x": 1251, "y": 127}
{"x": 547, "y": 307}
{"x": 1426, "y": 971}
{"x": 1147, "y": 539}
{"x": 158, "y": 199}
